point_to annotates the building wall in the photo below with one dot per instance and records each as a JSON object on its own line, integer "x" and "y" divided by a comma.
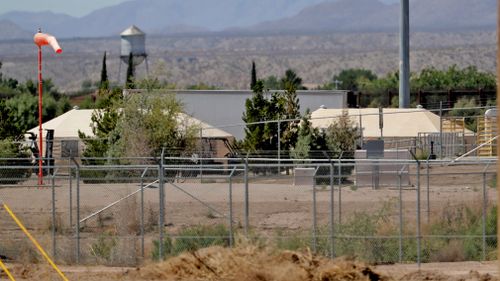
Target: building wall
{"x": 224, "y": 109}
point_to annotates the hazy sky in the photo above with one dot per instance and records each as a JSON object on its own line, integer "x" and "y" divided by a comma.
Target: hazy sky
{"x": 71, "y": 7}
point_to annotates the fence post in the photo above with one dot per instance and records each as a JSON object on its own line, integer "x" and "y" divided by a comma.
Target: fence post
{"x": 77, "y": 210}
{"x": 246, "y": 198}
{"x": 54, "y": 252}
{"x": 231, "y": 234}
{"x": 161, "y": 219}
{"x": 340, "y": 187}
{"x": 400, "y": 217}
{"x": 201, "y": 155}
{"x": 70, "y": 197}
{"x": 441, "y": 129}
{"x": 428, "y": 192}
{"x": 142, "y": 211}
{"x": 279, "y": 147}
{"x": 315, "y": 220}
{"x": 419, "y": 237}
{"x": 332, "y": 212}
{"x": 485, "y": 202}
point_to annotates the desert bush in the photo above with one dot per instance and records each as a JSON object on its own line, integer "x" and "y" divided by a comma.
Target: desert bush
{"x": 14, "y": 156}
{"x": 192, "y": 239}
{"x": 103, "y": 247}
{"x": 453, "y": 235}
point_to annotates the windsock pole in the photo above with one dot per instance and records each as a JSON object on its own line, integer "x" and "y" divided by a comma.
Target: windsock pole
{"x": 40, "y": 115}
{"x": 42, "y": 39}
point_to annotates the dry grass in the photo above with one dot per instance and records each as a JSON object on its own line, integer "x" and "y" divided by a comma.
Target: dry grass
{"x": 245, "y": 263}
{"x": 254, "y": 263}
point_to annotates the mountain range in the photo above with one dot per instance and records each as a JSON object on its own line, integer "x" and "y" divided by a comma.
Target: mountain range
{"x": 254, "y": 16}
{"x": 373, "y": 15}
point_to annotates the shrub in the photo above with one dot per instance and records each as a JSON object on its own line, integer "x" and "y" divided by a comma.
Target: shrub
{"x": 192, "y": 239}
{"x": 103, "y": 247}
{"x": 17, "y": 157}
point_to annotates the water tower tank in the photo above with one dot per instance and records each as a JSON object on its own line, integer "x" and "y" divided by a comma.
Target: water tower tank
{"x": 133, "y": 41}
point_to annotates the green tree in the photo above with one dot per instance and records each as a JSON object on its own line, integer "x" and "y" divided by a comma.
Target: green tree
{"x": 291, "y": 111}
{"x": 349, "y": 79}
{"x": 8, "y": 128}
{"x": 150, "y": 123}
{"x": 378, "y": 89}
{"x": 201, "y": 86}
{"x": 104, "y": 84}
{"x": 129, "y": 84}
{"x": 104, "y": 122}
{"x": 24, "y": 111}
{"x": 305, "y": 140}
{"x": 467, "y": 108}
{"x": 291, "y": 79}
{"x": 272, "y": 83}
{"x": 454, "y": 78}
{"x": 342, "y": 137}
{"x": 254, "y": 76}
{"x": 256, "y": 109}
{"x": 9, "y": 148}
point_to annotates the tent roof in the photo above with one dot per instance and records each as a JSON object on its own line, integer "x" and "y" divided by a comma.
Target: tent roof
{"x": 408, "y": 122}
{"x": 68, "y": 124}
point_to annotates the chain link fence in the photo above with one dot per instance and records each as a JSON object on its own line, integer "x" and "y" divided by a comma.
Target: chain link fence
{"x": 153, "y": 208}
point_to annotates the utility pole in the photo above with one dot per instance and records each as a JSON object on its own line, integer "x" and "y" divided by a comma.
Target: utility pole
{"x": 404, "y": 54}
{"x": 337, "y": 83}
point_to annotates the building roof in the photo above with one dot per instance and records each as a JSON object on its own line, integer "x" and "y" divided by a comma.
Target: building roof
{"x": 68, "y": 124}
{"x": 132, "y": 30}
{"x": 408, "y": 122}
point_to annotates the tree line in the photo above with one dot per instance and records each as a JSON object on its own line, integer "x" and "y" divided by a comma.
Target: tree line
{"x": 117, "y": 119}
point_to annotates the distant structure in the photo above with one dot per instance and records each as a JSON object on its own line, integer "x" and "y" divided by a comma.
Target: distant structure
{"x": 133, "y": 40}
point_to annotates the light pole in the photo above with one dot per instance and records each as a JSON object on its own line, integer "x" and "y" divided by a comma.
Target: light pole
{"x": 42, "y": 39}
{"x": 404, "y": 53}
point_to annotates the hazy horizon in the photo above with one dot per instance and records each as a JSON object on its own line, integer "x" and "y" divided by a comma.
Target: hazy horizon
{"x": 76, "y": 8}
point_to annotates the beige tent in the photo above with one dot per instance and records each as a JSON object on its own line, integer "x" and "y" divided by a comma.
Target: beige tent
{"x": 397, "y": 123}
{"x": 67, "y": 125}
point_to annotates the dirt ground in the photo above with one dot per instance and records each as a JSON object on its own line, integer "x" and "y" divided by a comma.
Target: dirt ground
{"x": 254, "y": 264}
{"x": 274, "y": 203}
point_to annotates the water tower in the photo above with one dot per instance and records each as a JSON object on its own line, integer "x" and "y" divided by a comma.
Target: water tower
{"x": 133, "y": 40}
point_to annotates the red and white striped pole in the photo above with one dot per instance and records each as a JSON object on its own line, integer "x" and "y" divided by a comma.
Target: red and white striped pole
{"x": 42, "y": 39}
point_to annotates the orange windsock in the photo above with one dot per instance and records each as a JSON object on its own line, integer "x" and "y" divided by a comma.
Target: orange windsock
{"x": 42, "y": 39}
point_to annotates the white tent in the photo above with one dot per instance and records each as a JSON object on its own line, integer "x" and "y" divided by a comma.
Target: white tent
{"x": 397, "y": 123}
{"x": 67, "y": 125}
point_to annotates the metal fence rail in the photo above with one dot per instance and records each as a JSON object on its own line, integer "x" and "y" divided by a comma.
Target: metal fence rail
{"x": 426, "y": 210}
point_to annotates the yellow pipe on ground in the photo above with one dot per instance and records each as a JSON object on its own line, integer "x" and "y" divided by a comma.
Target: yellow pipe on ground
{"x": 44, "y": 254}
{"x": 6, "y": 270}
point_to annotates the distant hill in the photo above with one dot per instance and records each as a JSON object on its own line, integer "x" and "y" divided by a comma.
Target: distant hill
{"x": 155, "y": 15}
{"x": 261, "y": 16}
{"x": 373, "y": 15}
{"x": 30, "y": 22}
{"x": 11, "y": 31}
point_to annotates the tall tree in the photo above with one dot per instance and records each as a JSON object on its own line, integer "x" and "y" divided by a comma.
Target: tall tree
{"x": 349, "y": 79}
{"x": 291, "y": 79}
{"x": 254, "y": 76}
{"x": 104, "y": 122}
{"x": 129, "y": 84}
{"x": 342, "y": 137}
{"x": 8, "y": 128}
{"x": 104, "y": 74}
{"x": 152, "y": 122}
{"x": 304, "y": 142}
{"x": 256, "y": 110}
{"x": 291, "y": 111}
